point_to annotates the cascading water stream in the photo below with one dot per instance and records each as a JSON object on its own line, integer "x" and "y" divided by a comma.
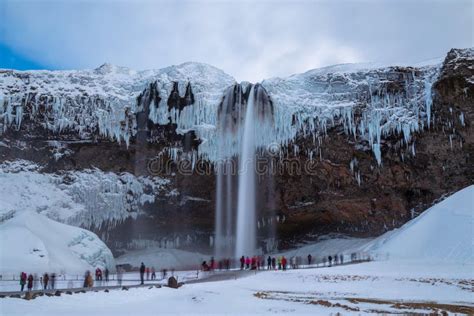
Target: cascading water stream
{"x": 240, "y": 112}
{"x": 246, "y": 218}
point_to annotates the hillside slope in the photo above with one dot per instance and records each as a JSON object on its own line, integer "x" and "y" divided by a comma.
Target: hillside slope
{"x": 443, "y": 233}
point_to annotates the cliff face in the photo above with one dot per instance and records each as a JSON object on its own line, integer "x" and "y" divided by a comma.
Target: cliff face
{"x": 357, "y": 151}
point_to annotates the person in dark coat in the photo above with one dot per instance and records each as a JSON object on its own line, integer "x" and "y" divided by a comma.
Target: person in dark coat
{"x": 23, "y": 278}
{"x": 142, "y": 273}
{"x": 242, "y": 262}
{"x": 30, "y": 282}
{"x": 273, "y": 263}
{"x": 330, "y": 260}
{"x": 269, "y": 263}
{"x": 309, "y": 259}
{"x": 106, "y": 272}
{"x": 53, "y": 280}
{"x": 45, "y": 280}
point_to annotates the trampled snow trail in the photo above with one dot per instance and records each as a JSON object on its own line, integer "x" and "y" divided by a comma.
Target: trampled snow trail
{"x": 246, "y": 226}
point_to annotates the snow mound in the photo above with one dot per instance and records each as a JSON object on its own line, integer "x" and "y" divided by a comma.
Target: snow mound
{"x": 32, "y": 242}
{"x": 443, "y": 233}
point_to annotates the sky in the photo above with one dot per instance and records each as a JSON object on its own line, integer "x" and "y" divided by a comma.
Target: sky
{"x": 249, "y": 40}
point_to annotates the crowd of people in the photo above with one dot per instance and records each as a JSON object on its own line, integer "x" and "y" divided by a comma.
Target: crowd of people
{"x": 48, "y": 281}
{"x": 276, "y": 262}
{"x": 32, "y": 281}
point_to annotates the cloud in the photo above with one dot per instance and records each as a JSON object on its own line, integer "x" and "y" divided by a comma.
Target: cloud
{"x": 249, "y": 40}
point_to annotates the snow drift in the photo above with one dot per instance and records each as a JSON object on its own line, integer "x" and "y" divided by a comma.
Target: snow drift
{"x": 443, "y": 233}
{"x": 32, "y": 242}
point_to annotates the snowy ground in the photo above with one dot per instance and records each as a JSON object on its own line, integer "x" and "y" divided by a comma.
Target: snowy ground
{"x": 361, "y": 288}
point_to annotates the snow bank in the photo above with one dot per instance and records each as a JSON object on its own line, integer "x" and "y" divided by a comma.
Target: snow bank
{"x": 32, "y": 242}
{"x": 443, "y": 233}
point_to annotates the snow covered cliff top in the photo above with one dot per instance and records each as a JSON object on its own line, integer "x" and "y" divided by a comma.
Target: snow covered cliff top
{"x": 109, "y": 80}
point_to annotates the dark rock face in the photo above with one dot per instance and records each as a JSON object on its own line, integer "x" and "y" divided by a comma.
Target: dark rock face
{"x": 173, "y": 283}
{"x": 329, "y": 199}
{"x": 332, "y": 201}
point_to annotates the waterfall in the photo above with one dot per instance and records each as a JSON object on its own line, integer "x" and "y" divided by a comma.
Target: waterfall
{"x": 239, "y": 114}
{"x": 246, "y": 232}
{"x": 227, "y": 136}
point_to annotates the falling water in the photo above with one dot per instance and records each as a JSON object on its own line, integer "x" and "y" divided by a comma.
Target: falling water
{"x": 239, "y": 114}
{"x": 246, "y": 219}
{"x": 228, "y": 128}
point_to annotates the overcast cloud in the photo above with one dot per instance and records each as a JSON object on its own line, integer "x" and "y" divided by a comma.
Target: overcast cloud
{"x": 247, "y": 40}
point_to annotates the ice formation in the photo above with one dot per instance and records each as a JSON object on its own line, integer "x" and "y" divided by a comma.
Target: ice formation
{"x": 370, "y": 103}
{"x": 89, "y": 198}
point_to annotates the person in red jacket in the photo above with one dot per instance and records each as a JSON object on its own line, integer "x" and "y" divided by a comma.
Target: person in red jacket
{"x": 283, "y": 262}
{"x": 247, "y": 263}
{"x": 242, "y": 262}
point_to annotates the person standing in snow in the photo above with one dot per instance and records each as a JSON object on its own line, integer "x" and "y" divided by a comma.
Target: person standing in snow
{"x": 242, "y": 262}
{"x": 119, "y": 275}
{"x": 330, "y": 260}
{"x": 53, "y": 280}
{"x": 341, "y": 258}
{"x": 269, "y": 263}
{"x": 30, "y": 282}
{"x": 273, "y": 263}
{"x": 283, "y": 262}
{"x": 106, "y": 272}
{"x": 247, "y": 262}
{"x": 89, "y": 280}
{"x": 153, "y": 273}
{"x": 212, "y": 265}
{"x": 45, "y": 280}
{"x": 142, "y": 273}
{"x": 22, "y": 280}
{"x": 85, "y": 279}
{"x": 309, "y": 259}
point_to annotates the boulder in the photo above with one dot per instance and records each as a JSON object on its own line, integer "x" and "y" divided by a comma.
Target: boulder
{"x": 173, "y": 283}
{"x": 28, "y": 296}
